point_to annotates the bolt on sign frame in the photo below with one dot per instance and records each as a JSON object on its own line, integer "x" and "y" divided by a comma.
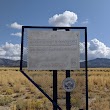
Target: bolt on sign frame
{"x": 54, "y": 40}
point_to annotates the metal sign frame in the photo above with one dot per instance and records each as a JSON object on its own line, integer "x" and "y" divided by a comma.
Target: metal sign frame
{"x": 68, "y": 96}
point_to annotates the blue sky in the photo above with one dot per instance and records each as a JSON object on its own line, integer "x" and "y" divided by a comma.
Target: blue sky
{"x": 91, "y": 13}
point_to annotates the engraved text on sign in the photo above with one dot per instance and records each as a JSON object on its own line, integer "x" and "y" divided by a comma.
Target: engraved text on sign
{"x": 53, "y": 50}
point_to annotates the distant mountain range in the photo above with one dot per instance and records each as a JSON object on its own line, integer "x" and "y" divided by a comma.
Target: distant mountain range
{"x": 10, "y": 63}
{"x": 95, "y": 63}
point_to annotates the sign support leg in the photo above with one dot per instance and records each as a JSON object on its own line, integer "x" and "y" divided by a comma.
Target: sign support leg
{"x": 68, "y": 96}
{"x": 55, "y": 88}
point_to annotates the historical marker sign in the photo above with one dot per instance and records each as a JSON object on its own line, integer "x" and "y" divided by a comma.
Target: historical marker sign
{"x": 49, "y": 48}
{"x": 53, "y": 50}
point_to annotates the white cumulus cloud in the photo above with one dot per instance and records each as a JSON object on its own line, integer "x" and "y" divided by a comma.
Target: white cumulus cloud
{"x": 16, "y": 34}
{"x": 96, "y": 49}
{"x": 15, "y": 25}
{"x": 66, "y": 19}
{"x": 10, "y": 51}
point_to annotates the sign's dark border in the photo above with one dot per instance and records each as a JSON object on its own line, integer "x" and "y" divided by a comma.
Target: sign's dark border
{"x": 86, "y": 73}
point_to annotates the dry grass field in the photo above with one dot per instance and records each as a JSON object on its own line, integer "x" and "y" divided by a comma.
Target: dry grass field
{"x": 17, "y": 93}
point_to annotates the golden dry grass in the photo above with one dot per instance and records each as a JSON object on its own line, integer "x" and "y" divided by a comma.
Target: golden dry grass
{"x": 17, "y": 93}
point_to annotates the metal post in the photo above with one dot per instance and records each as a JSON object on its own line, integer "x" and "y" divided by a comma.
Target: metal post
{"x": 68, "y": 96}
{"x": 86, "y": 69}
{"x": 22, "y": 48}
{"x": 55, "y": 88}
{"x": 55, "y": 83}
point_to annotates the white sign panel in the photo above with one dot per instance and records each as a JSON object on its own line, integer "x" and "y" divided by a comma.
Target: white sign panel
{"x": 53, "y": 50}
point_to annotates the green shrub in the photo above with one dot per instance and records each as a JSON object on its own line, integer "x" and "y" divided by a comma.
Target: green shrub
{"x": 5, "y": 100}
{"x": 9, "y": 91}
{"x": 29, "y": 105}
